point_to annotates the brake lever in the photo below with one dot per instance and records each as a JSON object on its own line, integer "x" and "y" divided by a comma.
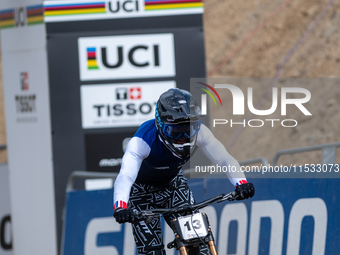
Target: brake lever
{"x": 146, "y": 216}
{"x": 230, "y": 196}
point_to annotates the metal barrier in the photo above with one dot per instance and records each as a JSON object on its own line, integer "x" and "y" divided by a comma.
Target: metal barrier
{"x": 100, "y": 175}
{"x": 328, "y": 152}
{"x": 328, "y": 157}
{"x": 262, "y": 160}
{"x": 89, "y": 175}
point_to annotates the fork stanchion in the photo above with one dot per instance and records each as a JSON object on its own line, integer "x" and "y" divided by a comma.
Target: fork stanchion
{"x": 183, "y": 250}
{"x": 209, "y": 239}
{"x": 212, "y": 248}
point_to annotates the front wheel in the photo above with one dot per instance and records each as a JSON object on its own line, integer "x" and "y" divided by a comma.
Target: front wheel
{"x": 193, "y": 250}
{"x": 190, "y": 250}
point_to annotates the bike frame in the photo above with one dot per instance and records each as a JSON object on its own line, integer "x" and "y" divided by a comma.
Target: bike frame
{"x": 189, "y": 236}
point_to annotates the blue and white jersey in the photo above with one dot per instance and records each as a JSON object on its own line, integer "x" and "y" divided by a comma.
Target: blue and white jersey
{"x": 147, "y": 160}
{"x": 160, "y": 165}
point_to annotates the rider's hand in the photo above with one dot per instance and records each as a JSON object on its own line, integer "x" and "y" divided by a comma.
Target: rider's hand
{"x": 123, "y": 215}
{"x": 244, "y": 191}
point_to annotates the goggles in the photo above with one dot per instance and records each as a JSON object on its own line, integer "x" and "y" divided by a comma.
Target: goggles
{"x": 181, "y": 131}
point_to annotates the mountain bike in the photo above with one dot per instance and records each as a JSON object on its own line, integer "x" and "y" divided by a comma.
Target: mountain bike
{"x": 192, "y": 229}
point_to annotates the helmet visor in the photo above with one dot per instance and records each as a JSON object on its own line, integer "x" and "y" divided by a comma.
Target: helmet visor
{"x": 182, "y": 130}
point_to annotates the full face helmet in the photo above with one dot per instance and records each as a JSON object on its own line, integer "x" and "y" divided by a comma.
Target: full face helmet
{"x": 177, "y": 121}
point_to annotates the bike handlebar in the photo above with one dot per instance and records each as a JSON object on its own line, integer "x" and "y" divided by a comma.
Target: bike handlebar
{"x": 147, "y": 214}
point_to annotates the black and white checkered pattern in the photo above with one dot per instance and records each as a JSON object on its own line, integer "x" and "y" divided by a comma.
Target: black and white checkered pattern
{"x": 148, "y": 237}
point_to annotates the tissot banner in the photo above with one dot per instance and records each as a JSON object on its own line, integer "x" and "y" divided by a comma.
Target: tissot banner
{"x": 120, "y": 105}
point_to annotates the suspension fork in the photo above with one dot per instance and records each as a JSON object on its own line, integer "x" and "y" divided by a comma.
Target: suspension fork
{"x": 178, "y": 242}
{"x": 181, "y": 247}
{"x": 183, "y": 250}
{"x": 212, "y": 248}
{"x": 211, "y": 244}
{"x": 209, "y": 240}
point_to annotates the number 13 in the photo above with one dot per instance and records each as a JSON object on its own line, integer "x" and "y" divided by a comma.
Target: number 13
{"x": 196, "y": 225}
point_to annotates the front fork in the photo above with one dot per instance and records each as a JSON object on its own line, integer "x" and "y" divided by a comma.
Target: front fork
{"x": 211, "y": 245}
{"x": 212, "y": 248}
{"x": 183, "y": 250}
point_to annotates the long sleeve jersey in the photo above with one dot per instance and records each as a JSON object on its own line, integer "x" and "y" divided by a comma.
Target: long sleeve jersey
{"x": 147, "y": 160}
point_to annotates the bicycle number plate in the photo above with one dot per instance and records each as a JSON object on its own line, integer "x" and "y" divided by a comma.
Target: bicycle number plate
{"x": 192, "y": 226}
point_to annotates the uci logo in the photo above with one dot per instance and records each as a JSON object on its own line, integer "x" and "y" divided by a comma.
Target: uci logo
{"x": 126, "y": 57}
{"x": 20, "y": 16}
{"x": 123, "y": 6}
{"x": 151, "y": 56}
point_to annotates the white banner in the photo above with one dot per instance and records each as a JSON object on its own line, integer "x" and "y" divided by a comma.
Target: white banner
{"x": 6, "y": 242}
{"x": 21, "y": 25}
{"x": 28, "y": 128}
{"x": 120, "y": 104}
{"x": 71, "y": 10}
{"x": 126, "y": 57}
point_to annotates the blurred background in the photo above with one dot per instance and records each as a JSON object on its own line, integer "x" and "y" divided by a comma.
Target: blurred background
{"x": 276, "y": 40}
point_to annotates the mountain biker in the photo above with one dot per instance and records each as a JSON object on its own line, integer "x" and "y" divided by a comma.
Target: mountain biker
{"x": 151, "y": 175}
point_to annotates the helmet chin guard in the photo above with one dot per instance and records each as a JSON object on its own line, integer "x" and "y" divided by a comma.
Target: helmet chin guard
{"x": 177, "y": 121}
{"x": 182, "y": 151}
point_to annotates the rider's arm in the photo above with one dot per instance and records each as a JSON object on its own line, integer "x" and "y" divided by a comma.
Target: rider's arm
{"x": 136, "y": 151}
{"x": 217, "y": 154}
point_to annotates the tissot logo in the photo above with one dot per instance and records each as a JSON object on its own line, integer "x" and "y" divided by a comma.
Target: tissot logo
{"x": 25, "y": 103}
{"x": 135, "y": 93}
{"x": 120, "y": 105}
{"x": 131, "y": 93}
{"x": 124, "y": 57}
{"x": 121, "y": 93}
